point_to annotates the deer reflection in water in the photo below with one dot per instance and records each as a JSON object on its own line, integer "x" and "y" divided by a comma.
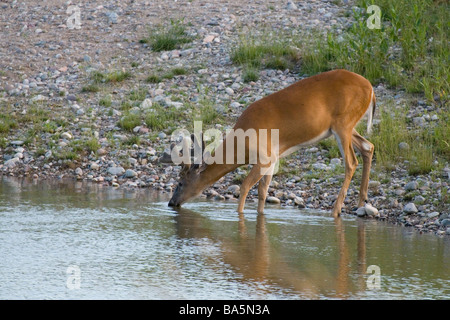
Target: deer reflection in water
{"x": 258, "y": 261}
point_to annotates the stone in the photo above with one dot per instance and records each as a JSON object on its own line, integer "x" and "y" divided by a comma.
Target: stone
{"x": 412, "y": 185}
{"x": 403, "y": 146}
{"x": 66, "y": 135}
{"x": 445, "y": 222}
{"x": 115, "y": 171}
{"x": 234, "y": 189}
{"x": 271, "y": 199}
{"x": 209, "y": 38}
{"x": 361, "y": 212}
{"x": 433, "y": 214}
{"x": 94, "y": 166}
{"x": 146, "y": 104}
{"x": 112, "y": 17}
{"x": 371, "y": 210}
{"x": 410, "y": 208}
{"x": 17, "y": 142}
{"x": 78, "y": 171}
{"x": 11, "y": 163}
{"x": 291, "y": 6}
{"x": 130, "y": 173}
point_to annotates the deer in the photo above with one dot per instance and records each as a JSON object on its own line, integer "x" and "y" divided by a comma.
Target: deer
{"x": 304, "y": 113}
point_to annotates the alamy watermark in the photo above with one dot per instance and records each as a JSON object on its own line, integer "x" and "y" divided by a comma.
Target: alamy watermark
{"x": 373, "y": 282}
{"x": 73, "y": 277}
{"x": 74, "y": 20}
{"x": 374, "y": 21}
{"x": 242, "y": 147}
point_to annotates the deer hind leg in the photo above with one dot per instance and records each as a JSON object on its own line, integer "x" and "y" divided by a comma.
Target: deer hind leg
{"x": 344, "y": 140}
{"x": 366, "y": 149}
{"x": 263, "y": 187}
{"x": 250, "y": 180}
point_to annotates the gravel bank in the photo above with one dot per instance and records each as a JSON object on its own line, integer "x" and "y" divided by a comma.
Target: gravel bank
{"x": 58, "y": 123}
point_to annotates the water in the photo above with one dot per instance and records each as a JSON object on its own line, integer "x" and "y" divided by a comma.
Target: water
{"x": 69, "y": 240}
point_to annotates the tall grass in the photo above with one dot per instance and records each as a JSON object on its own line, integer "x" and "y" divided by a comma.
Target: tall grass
{"x": 267, "y": 51}
{"x": 423, "y": 146}
{"x": 410, "y": 51}
{"x": 168, "y": 37}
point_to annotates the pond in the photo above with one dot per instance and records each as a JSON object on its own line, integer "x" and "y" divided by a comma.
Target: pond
{"x": 76, "y": 240}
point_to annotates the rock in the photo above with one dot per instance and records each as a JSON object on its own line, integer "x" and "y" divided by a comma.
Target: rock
{"x": 130, "y": 173}
{"x": 209, "y": 38}
{"x": 403, "y": 146}
{"x": 115, "y": 171}
{"x": 37, "y": 98}
{"x": 320, "y": 166}
{"x": 271, "y": 199}
{"x": 11, "y": 163}
{"x": 229, "y": 91}
{"x": 17, "y": 142}
{"x": 234, "y": 189}
{"x": 146, "y": 104}
{"x": 66, "y": 135}
{"x": 94, "y": 166}
{"x": 361, "y": 212}
{"x": 291, "y": 6}
{"x": 433, "y": 214}
{"x": 78, "y": 171}
{"x": 447, "y": 231}
{"x": 299, "y": 202}
{"x": 370, "y": 210}
{"x": 219, "y": 197}
{"x": 335, "y": 162}
{"x": 412, "y": 185}
{"x": 112, "y": 17}
{"x": 445, "y": 222}
{"x": 410, "y": 208}
{"x": 102, "y": 152}
{"x": 419, "y": 199}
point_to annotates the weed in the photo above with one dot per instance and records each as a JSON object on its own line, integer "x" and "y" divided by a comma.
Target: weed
{"x": 169, "y": 37}
{"x": 129, "y": 121}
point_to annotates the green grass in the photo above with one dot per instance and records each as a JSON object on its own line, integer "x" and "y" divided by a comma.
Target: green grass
{"x": 129, "y": 122}
{"x": 250, "y": 74}
{"x": 177, "y": 71}
{"x": 427, "y": 146}
{"x": 7, "y": 122}
{"x": 268, "y": 52}
{"x": 162, "y": 118}
{"x": 410, "y": 51}
{"x": 90, "y": 88}
{"x": 117, "y": 76}
{"x": 168, "y": 37}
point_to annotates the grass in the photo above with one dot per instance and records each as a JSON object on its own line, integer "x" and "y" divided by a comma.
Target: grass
{"x": 428, "y": 147}
{"x": 129, "y": 121}
{"x": 162, "y": 118}
{"x": 268, "y": 51}
{"x": 7, "y": 122}
{"x": 168, "y": 37}
{"x": 177, "y": 71}
{"x": 410, "y": 51}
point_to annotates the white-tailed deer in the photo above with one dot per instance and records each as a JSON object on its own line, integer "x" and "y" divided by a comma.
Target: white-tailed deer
{"x": 304, "y": 113}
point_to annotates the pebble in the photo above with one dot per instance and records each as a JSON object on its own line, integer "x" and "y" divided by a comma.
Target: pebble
{"x": 412, "y": 185}
{"x": 129, "y": 173}
{"x": 410, "y": 208}
{"x": 116, "y": 171}
{"x": 370, "y": 210}
{"x": 271, "y": 199}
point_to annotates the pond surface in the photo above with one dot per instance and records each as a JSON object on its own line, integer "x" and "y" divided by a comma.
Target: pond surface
{"x": 72, "y": 240}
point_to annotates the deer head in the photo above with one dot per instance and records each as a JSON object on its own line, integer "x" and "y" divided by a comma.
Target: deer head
{"x": 190, "y": 183}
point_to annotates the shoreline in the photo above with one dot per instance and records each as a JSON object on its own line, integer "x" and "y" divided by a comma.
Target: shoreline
{"x": 98, "y": 104}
